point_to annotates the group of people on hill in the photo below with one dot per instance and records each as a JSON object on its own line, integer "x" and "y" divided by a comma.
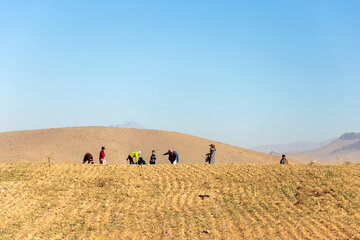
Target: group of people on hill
{"x": 88, "y": 158}
{"x": 135, "y": 157}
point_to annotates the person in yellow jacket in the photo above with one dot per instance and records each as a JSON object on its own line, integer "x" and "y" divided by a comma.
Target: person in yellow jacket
{"x": 133, "y": 155}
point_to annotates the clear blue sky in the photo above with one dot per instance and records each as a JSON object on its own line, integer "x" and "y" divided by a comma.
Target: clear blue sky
{"x": 243, "y": 72}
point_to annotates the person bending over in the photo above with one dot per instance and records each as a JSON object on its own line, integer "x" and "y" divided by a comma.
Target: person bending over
{"x": 133, "y": 155}
{"x": 173, "y": 156}
{"x": 88, "y": 158}
{"x": 141, "y": 161}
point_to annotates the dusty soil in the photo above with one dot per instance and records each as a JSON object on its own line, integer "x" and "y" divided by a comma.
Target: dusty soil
{"x": 223, "y": 201}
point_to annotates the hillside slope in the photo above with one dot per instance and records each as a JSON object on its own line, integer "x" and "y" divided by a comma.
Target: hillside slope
{"x": 346, "y": 148}
{"x": 70, "y": 145}
{"x": 224, "y": 201}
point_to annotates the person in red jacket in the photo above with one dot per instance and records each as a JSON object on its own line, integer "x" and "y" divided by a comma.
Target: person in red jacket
{"x": 102, "y": 158}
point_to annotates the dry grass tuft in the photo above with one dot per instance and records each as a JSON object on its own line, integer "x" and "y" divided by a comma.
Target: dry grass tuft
{"x": 100, "y": 182}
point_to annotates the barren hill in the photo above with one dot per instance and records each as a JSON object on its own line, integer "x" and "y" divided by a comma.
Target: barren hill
{"x": 70, "y": 145}
{"x": 223, "y": 201}
{"x": 346, "y": 148}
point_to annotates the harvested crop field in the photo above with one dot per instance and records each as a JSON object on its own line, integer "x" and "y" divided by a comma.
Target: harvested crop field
{"x": 224, "y": 201}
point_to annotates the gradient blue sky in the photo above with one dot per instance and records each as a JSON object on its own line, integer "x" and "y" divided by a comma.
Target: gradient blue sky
{"x": 243, "y": 72}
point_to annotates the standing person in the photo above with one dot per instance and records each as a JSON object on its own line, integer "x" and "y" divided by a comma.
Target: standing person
{"x": 284, "y": 160}
{"x": 88, "y": 158}
{"x": 153, "y": 157}
{"x": 173, "y": 156}
{"x": 212, "y": 154}
{"x": 102, "y": 158}
{"x": 133, "y": 155}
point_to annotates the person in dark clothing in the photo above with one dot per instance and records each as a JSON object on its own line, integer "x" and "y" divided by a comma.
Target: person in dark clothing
{"x": 130, "y": 159}
{"x": 173, "y": 156}
{"x": 210, "y": 157}
{"x": 88, "y": 158}
{"x": 153, "y": 157}
{"x": 141, "y": 161}
{"x": 207, "y": 158}
{"x": 284, "y": 160}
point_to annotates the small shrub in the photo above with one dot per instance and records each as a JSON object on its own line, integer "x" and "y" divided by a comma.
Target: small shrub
{"x": 329, "y": 174}
{"x": 100, "y": 182}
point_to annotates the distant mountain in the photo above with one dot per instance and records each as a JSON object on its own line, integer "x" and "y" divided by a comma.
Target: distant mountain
{"x": 344, "y": 148}
{"x": 350, "y": 136}
{"x": 290, "y": 147}
{"x": 129, "y": 124}
{"x": 275, "y": 153}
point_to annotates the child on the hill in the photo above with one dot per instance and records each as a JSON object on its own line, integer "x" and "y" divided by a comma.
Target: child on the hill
{"x": 102, "y": 158}
{"x": 153, "y": 157}
{"x": 141, "y": 161}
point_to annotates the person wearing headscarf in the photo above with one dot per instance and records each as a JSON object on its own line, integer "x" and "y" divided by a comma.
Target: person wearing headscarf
{"x": 133, "y": 155}
{"x": 173, "y": 156}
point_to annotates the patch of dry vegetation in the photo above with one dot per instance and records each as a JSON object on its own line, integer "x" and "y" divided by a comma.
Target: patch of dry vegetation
{"x": 224, "y": 201}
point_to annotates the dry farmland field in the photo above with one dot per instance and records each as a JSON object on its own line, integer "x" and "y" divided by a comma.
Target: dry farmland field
{"x": 224, "y": 201}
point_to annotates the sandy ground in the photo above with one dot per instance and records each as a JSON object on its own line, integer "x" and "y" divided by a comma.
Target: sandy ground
{"x": 70, "y": 144}
{"x": 224, "y": 201}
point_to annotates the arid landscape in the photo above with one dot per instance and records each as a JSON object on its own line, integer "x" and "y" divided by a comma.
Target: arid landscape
{"x": 346, "y": 148}
{"x": 70, "y": 144}
{"x": 223, "y": 201}
{"x": 251, "y": 108}
{"x": 247, "y": 195}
